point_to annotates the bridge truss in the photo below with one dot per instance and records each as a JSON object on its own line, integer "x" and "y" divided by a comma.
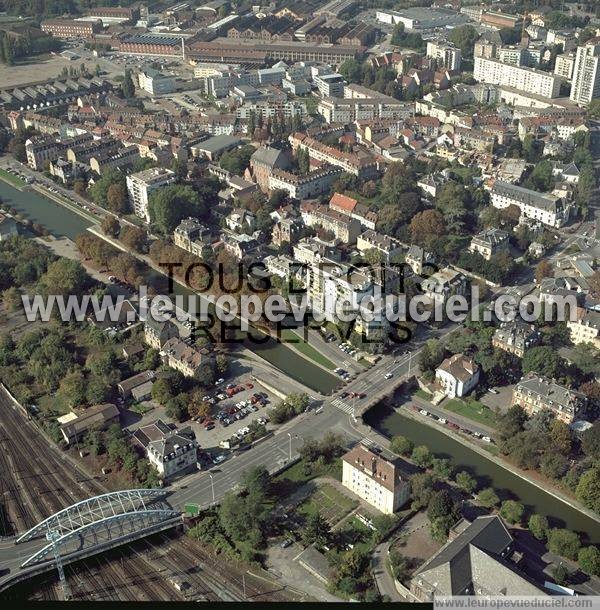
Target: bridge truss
{"x": 101, "y": 522}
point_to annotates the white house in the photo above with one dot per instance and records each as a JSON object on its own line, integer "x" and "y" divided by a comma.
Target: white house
{"x": 457, "y": 375}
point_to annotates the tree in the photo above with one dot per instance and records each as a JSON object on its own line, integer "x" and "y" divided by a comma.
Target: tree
{"x": 564, "y": 543}
{"x": 99, "y": 191}
{"x": 110, "y": 226}
{"x": 64, "y": 276}
{"x": 488, "y": 498}
{"x": 543, "y": 360}
{"x": 401, "y": 445}
{"x": 421, "y": 456}
{"x": 176, "y": 408}
{"x": 586, "y": 358}
{"x": 316, "y": 530}
{"x": 431, "y": 356}
{"x": 543, "y": 270}
{"x": 426, "y": 227}
{"x": 512, "y": 511}
{"x": 541, "y": 178}
{"x": 512, "y": 422}
{"x": 554, "y": 465}
{"x": 116, "y": 198}
{"x": 169, "y": 205}
{"x": 236, "y": 161}
{"x": 464, "y": 37}
{"x": 538, "y": 526}
{"x": 590, "y": 441}
{"x": 561, "y": 437}
{"x": 72, "y": 388}
{"x": 11, "y": 298}
{"x": 588, "y": 489}
{"x": 127, "y": 86}
{"x": 440, "y": 505}
{"x": 421, "y": 489}
{"x": 134, "y": 237}
{"x": 442, "y": 468}
{"x": 465, "y": 481}
{"x": 560, "y": 574}
{"x": 588, "y": 559}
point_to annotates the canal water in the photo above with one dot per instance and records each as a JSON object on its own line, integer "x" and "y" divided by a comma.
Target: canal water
{"x": 488, "y": 473}
{"x": 62, "y": 222}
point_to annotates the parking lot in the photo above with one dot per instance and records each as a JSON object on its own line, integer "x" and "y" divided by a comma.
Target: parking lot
{"x": 236, "y": 405}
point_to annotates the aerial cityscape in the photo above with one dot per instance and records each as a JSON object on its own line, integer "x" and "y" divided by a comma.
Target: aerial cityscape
{"x": 300, "y": 301}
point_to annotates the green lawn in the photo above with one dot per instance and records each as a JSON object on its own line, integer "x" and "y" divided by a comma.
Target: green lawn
{"x": 140, "y": 409}
{"x": 329, "y": 502}
{"x": 288, "y": 335}
{"x": 291, "y": 479}
{"x": 422, "y": 394}
{"x": 14, "y": 180}
{"x": 471, "y": 409}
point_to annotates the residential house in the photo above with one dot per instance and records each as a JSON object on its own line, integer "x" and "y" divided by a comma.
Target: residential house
{"x": 585, "y": 328}
{"x": 515, "y": 337}
{"x": 171, "y": 452}
{"x": 489, "y": 242}
{"x": 183, "y": 357}
{"x": 138, "y": 387}
{"x": 157, "y": 333}
{"x": 457, "y": 375}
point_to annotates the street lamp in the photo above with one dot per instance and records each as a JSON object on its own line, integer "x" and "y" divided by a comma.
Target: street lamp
{"x": 212, "y": 486}
{"x": 290, "y": 435}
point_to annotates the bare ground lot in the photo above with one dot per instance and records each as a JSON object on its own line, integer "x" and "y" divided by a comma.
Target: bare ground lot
{"x": 35, "y": 69}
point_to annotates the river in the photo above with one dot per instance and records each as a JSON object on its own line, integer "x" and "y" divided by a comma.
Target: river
{"x": 487, "y": 472}
{"x": 62, "y": 222}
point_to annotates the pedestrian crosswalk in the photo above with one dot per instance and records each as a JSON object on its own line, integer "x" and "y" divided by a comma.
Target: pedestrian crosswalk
{"x": 338, "y": 403}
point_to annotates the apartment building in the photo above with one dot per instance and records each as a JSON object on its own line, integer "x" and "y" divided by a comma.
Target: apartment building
{"x": 528, "y": 80}
{"x": 264, "y": 161}
{"x": 306, "y": 186}
{"x": 344, "y": 227}
{"x": 70, "y": 28}
{"x": 360, "y": 164}
{"x": 375, "y": 479}
{"x": 335, "y": 110}
{"x": 78, "y": 151}
{"x": 585, "y": 328}
{"x": 387, "y": 246}
{"x": 537, "y": 393}
{"x": 41, "y": 150}
{"x": 330, "y": 85}
{"x": 443, "y": 284}
{"x": 155, "y": 82}
{"x": 515, "y": 337}
{"x": 564, "y": 65}
{"x": 489, "y": 242}
{"x": 142, "y": 184}
{"x": 585, "y": 85}
{"x": 124, "y": 157}
{"x": 445, "y": 53}
{"x": 182, "y": 357}
{"x": 192, "y": 236}
{"x": 545, "y": 208}
{"x": 457, "y": 375}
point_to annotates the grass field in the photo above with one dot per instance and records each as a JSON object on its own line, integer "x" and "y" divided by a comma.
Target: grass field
{"x": 471, "y": 409}
{"x": 14, "y": 180}
{"x": 330, "y": 503}
{"x": 308, "y": 350}
{"x": 422, "y": 394}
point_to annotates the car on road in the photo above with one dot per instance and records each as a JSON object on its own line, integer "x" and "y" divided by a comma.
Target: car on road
{"x": 493, "y": 391}
{"x": 389, "y": 375}
{"x": 218, "y": 459}
{"x": 287, "y": 542}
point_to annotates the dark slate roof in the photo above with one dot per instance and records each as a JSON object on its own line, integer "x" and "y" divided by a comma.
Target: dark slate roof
{"x": 486, "y": 533}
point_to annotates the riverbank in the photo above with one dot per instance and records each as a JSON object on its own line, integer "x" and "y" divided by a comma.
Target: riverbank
{"x": 14, "y": 181}
{"x": 488, "y": 471}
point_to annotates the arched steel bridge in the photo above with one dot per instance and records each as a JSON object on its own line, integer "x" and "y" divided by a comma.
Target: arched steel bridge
{"x": 86, "y": 528}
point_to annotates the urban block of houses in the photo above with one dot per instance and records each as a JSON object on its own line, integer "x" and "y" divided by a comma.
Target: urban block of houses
{"x": 457, "y": 375}
{"x": 170, "y": 451}
{"x": 515, "y": 337}
{"x": 375, "y": 479}
{"x": 537, "y": 393}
